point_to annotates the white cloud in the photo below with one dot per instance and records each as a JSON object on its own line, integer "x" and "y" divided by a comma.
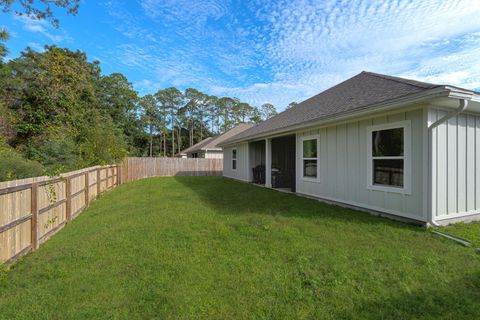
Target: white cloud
{"x": 460, "y": 67}
{"x": 281, "y": 50}
{"x": 185, "y": 10}
{"x": 313, "y": 45}
{"x": 36, "y": 46}
{"x": 43, "y": 27}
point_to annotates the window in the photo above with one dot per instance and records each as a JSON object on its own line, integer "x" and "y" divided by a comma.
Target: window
{"x": 234, "y": 159}
{"x": 388, "y": 157}
{"x": 310, "y": 158}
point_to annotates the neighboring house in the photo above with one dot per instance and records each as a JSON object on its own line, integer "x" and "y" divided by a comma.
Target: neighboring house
{"x": 196, "y": 151}
{"x": 385, "y": 144}
{"x": 209, "y": 148}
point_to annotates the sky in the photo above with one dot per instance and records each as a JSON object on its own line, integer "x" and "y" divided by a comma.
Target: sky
{"x": 262, "y": 51}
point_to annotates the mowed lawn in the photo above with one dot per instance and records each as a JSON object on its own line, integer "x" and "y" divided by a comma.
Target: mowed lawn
{"x": 213, "y": 248}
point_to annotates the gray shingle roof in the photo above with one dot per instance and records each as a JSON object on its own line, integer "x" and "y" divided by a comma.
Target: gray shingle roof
{"x": 357, "y": 93}
{"x": 212, "y": 143}
{"x": 198, "y": 146}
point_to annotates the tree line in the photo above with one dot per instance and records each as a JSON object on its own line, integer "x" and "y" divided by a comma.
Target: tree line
{"x": 58, "y": 112}
{"x": 180, "y": 119}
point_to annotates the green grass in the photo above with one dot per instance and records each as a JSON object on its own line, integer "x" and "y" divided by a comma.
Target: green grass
{"x": 212, "y": 248}
{"x": 469, "y": 231}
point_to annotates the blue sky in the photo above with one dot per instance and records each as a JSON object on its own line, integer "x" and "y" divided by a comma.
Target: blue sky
{"x": 265, "y": 50}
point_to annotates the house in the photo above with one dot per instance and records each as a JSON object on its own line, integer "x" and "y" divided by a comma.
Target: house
{"x": 393, "y": 146}
{"x": 209, "y": 148}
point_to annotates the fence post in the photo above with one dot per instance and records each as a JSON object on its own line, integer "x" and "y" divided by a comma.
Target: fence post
{"x": 68, "y": 198}
{"x": 112, "y": 177}
{"x": 34, "y": 209}
{"x": 107, "y": 176}
{"x": 119, "y": 174}
{"x": 98, "y": 182}
{"x": 87, "y": 188}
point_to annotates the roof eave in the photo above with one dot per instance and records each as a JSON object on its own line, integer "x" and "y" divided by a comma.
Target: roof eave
{"x": 212, "y": 149}
{"x": 384, "y": 106}
{"x": 458, "y": 93}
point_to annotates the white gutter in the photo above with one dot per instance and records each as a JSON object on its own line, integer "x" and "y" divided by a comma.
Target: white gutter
{"x": 461, "y": 108}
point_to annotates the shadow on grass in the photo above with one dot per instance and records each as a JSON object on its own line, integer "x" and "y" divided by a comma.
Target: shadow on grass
{"x": 232, "y": 197}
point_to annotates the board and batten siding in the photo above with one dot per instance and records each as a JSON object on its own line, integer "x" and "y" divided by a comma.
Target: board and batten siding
{"x": 455, "y": 165}
{"x": 242, "y": 171}
{"x": 342, "y": 160}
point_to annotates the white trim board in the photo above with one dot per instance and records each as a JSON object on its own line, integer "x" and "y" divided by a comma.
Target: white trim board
{"x": 407, "y": 157}
{"x": 302, "y": 139}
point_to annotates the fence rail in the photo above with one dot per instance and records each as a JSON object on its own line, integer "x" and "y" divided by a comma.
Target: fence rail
{"x": 33, "y": 209}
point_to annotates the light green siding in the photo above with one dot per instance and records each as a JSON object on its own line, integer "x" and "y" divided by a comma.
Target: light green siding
{"x": 242, "y": 171}
{"x": 343, "y": 163}
{"x": 455, "y": 165}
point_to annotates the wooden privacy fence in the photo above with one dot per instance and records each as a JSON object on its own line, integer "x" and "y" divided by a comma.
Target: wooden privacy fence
{"x": 139, "y": 168}
{"x": 31, "y": 210}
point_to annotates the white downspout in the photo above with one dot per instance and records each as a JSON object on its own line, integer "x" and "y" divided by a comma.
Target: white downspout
{"x": 461, "y": 108}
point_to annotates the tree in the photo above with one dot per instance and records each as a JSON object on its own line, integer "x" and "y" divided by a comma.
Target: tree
{"x": 197, "y": 103}
{"x": 171, "y": 100}
{"x": 58, "y": 111}
{"x": 57, "y": 119}
{"x": 163, "y": 113}
{"x": 291, "y": 104}
{"x": 267, "y": 110}
{"x": 241, "y": 111}
{"x": 4, "y": 36}
{"x": 214, "y": 114}
{"x": 32, "y": 9}
{"x": 37, "y": 10}
{"x": 224, "y": 113}
{"x": 48, "y": 90}
{"x": 256, "y": 116}
{"x": 202, "y": 110}
{"x": 150, "y": 117}
{"x": 117, "y": 98}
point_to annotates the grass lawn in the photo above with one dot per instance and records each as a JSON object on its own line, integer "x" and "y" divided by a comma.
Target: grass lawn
{"x": 469, "y": 231}
{"x": 213, "y": 248}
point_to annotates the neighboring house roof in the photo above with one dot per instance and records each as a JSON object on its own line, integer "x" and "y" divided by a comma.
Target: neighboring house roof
{"x": 197, "y": 147}
{"x": 212, "y": 143}
{"x": 363, "y": 91}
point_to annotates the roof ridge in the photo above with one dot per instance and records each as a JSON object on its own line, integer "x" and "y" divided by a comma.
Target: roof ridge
{"x": 419, "y": 84}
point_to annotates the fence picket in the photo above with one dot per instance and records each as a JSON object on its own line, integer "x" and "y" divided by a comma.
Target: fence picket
{"x": 138, "y": 168}
{"x": 24, "y": 205}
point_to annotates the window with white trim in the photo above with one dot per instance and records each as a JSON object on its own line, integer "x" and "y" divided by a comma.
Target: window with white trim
{"x": 234, "y": 159}
{"x": 389, "y": 156}
{"x": 310, "y": 158}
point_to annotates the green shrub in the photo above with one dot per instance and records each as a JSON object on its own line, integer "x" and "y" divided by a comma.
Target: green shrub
{"x": 14, "y": 166}
{"x": 57, "y": 151}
